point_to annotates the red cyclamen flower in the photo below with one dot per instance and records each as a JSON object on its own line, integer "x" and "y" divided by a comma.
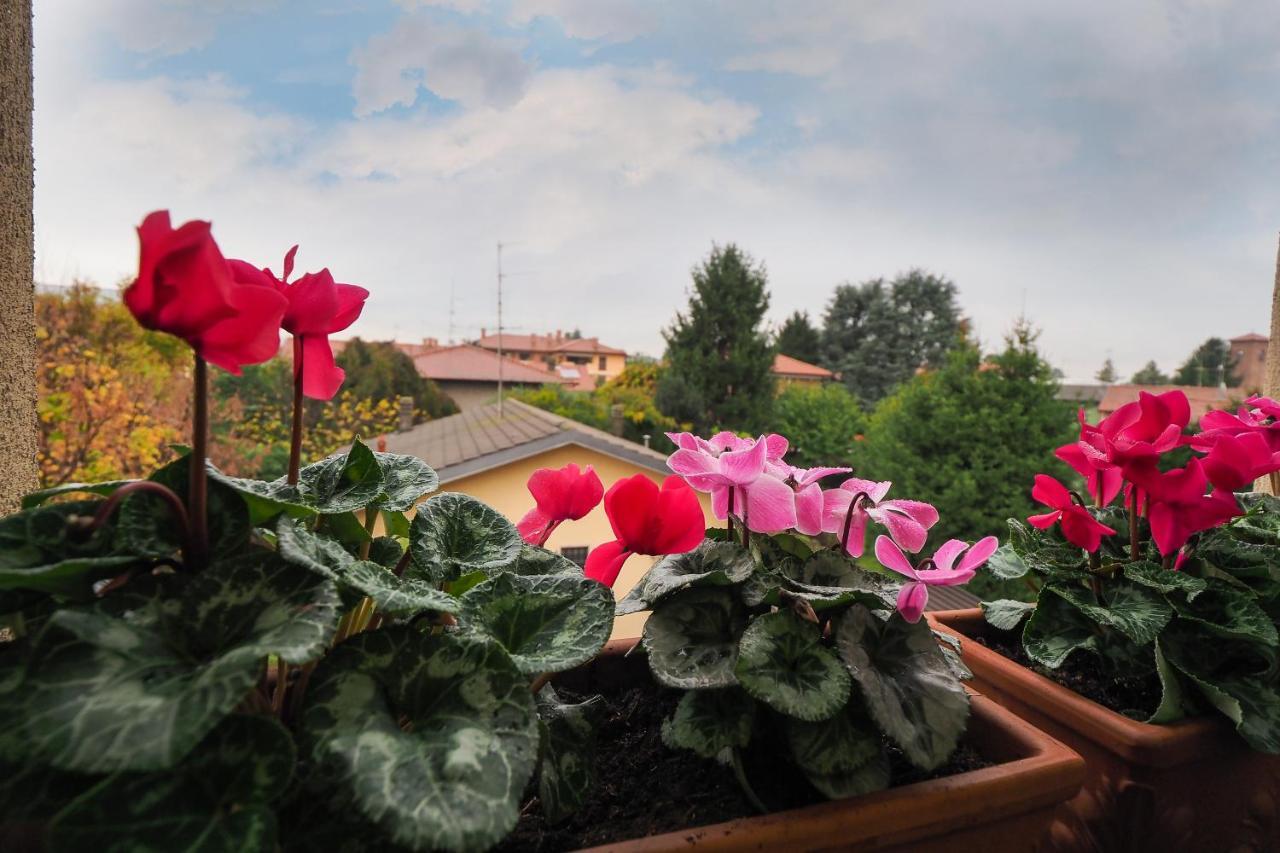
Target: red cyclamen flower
{"x": 1235, "y": 461}
{"x": 318, "y": 307}
{"x": 560, "y": 494}
{"x": 1078, "y": 525}
{"x": 185, "y": 287}
{"x": 646, "y": 520}
{"x": 1179, "y": 507}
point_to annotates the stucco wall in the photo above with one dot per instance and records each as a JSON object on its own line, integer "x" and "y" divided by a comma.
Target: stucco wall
{"x": 504, "y": 490}
{"x": 17, "y": 321}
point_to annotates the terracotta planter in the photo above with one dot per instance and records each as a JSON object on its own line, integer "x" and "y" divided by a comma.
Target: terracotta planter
{"x": 1190, "y": 785}
{"x": 1005, "y": 807}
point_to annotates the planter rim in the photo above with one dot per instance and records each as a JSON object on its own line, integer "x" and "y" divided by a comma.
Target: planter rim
{"x": 1151, "y": 744}
{"x": 1042, "y": 773}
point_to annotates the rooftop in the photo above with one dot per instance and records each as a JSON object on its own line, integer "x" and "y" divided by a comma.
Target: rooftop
{"x": 1084, "y": 393}
{"x": 785, "y": 365}
{"x": 1249, "y": 338}
{"x": 469, "y": 363}
{"x": 491, "y": 436}
{"x": 547, "y": 344}
{"x": 1202, "y": 398}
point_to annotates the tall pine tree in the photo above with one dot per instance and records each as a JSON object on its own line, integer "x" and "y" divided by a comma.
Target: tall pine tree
{"x": 1107, "y": 373}
{"x": 799, "y": 339}
{"x": 1210, "y": 364}
{"x": 1150, "y": 374}
{"x": 877, "y": 334}
{"x": 719, "y": 357}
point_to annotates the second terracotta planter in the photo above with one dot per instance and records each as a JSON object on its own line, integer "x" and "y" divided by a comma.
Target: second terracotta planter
{"x": 1192, "y": 785}
{"x": 1003, "y": 808}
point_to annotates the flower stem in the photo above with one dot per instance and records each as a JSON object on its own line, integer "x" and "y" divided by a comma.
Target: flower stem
{"x": 370, "y": 522}
{"x": 179, "y": 512}
{"x": 848, "y": 520}
{"x": 740, "y": 773}
{"x": 295, "y": 436}
{"x": 198, "y": 494}
{"x": 1133, "y": 526}
{"x": 538, "y": 683}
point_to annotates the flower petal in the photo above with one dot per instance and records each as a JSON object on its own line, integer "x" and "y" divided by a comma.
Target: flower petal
{"x": 604, "y": 563}
{"x": 912, "y": 600}
{"x": 891, "y": 557}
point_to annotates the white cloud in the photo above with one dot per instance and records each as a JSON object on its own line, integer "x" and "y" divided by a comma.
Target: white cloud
{"x": 606, "y": 20}
{"x": 457, "y": 64}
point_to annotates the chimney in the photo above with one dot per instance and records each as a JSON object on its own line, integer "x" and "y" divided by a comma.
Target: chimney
{"x": 382, "y": 443}
{"x": 404, "y": 410}
{"x": 484, "y": 333}
{"x": 615, "y": 419}
{"x": 430, "y": 343}
{"x": 559, "y": 335}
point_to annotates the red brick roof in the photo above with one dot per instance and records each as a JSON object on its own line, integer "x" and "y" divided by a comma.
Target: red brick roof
{"x": 1252, "y": 336}
{"x": 468, "y": 363}
{"x": 547, "y": 343}
{"x": 1202, "y": 398}
{"x": 785, "y": 365}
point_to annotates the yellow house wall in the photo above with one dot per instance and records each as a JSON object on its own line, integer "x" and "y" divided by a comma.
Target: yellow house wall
{"x": 504, "y": 489}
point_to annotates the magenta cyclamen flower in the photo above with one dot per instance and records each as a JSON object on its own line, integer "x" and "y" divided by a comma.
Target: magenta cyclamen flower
{"x": 1078, "y": 526}
{"x": 733, "y": 471}
{"x": 946, "y": 568}
{"x": 809, "y": 501}
{"x": 907, "y": 521}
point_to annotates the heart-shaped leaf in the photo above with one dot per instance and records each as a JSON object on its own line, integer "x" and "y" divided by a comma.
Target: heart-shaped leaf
{"x": 451, "y": 776}
{"x": 103, "y": 489}
{"x": 342, "y": 482}
{"x": 265, "y": 500}
{"x": 113, "y": 688}
{"x": 405, "y": 480}
{"x": 710, "y": 564}
{"x": 42, "y": 549}
{"x": 1043, "y": 552}
{"x": 1226, "y": 611}
{"x": 539, "y": 561}
{"x": 1005, "y": 563}
{"x": 830, "y": 579}
{"x": 304, "y": 548}
{"x": 1136, "y": 611}
{"x": 711, "y": 721}
{"x": 1005, "y": 613}
{"x": 547, "y": 623}
{"x": 453, "y": 534}
{"x": 843, "y": 756}
{"x": 1164, "y": 580}
{"x": 215, "y": 800}
{"x": 692, "y": 638}
{"x": 566, "y": 771}
{"x": 782, "y": 662}
{"x": 906, "y": 684}
{"x": 1056, "y": 629}
{"x": 403, "y": 597}
{"x": 146, "y": 526}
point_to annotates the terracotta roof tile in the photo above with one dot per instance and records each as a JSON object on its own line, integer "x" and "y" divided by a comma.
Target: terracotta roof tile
{"x": 468, "y": 363}
{"x": 1202, "y": 398}
{"x": 785, "y": 365}
{"x": 1249, "y": 338}
{"x": 547, "y": 343}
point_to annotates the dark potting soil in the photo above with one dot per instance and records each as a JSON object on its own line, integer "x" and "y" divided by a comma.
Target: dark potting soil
{"x": 645, "y": 788}
{"x": 1082, "y": 673}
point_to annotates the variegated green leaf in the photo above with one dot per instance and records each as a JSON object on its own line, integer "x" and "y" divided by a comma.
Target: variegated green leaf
{"x": 1134, "y": 610}
{"x": 308, "y": 550}
{"x": 539, "y": 561}
{"x": 843, "y": 756}
{"x": 711, "y": 721}
{"x": 1164, "y": 580}
{"x": 216, "y": 801}
{"x": 547, "y": 623}
{"x": 906, "y": 684}
{"x": 43, "y": 549}
{"x": 830, "y": 579}
{"x": 1042, "y": 551}
{"x": 692, "y": 638}
{"x": 566, "y": 769}
{"x": 1056, "y": 629}
{"x": 405, "y": 481}
{"x": 450, "y": 777}
{"x": 103, "y": 489}
{"x": 342, "y": 482}
{"x": 146, "y": 527}
{"x": 265, "y": 500}
{"x": 782, "y": 662}
{"x": 1005, "y": 563}
{"x": 710, "y": 564}
{"x": 1226, "y": 611}
{"x": 453, "y": 534}
{"x": 1005, "y": 613}
{"x": 403, "y": 597}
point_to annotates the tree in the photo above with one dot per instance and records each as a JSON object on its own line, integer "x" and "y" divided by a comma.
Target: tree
{"x": 878, "y": 334}
{"x": 1210, "y": 364}
{"x": 824, "y": 424}
{"x": 112, "y": 396}
{"x": 799, "y": 338}
{"x": 633, "y": 389}
{"x": 381, "y": 371}
{"x": 970, "y": 437}
{"x": 719, "y": 358}
{"x": 1107, "y": 373}
{"x": 1149, "y": 375}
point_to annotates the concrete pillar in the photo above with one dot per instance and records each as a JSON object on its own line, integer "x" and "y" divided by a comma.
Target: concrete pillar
{"x": 1271, "y": 385}
{"x": 18, "y": 472}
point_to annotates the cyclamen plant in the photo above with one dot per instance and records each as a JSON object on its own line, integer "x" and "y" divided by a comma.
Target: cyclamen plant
{"x": 1179, "y": 582}
{"x": 786, "y": 647}
{"x": 197, "y": 661}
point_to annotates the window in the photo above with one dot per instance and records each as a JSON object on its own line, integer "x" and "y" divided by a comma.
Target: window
{"x": 575, "y": 555}
{"x": 603, "y": 362}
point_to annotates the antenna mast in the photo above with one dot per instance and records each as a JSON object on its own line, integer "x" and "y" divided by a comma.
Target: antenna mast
{"x": 500, "y": 407}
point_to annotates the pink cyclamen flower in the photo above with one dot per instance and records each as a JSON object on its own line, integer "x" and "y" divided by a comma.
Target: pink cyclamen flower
{"x": 1126, "y": 442}
{"x": 318, "y": 307}
{"x": 805, "y": 482}
{"x": 560, "y": 494}
{"x": 1178, "y": 506}
{"x": 733, "y": 471}
{"x": 907, "y": 521}
{"x": 1259, "y": 415}
{"x": 1235, "y": 461}
{"x": 946, "y": 568}
{"x": 1078, "y": 525}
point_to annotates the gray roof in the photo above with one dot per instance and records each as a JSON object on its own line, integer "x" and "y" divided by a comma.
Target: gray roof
{"x": 1082, "y": 393}
{"x": 950, "y": 598}
{"x": 480, "y": 439}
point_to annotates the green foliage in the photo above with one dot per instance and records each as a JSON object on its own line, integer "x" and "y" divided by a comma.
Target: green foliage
{"x": 877, "y": 334}
{"x": 971, "y": 436}
{"x": 150, "y": 712}
{"x": 1212, "y": 363}
{"x": 1107, "y": 373}
{"x": 719, "y": 357}
{"x": 1150, "y": 374}
{"x": 381, "y": 371}
{"x": 791, "y": 646}
{"x": 823, "y": 423}
{"x": 799, "y": 338}
{"x": 631, "y": 392}
{"x": 1207, "y": 632}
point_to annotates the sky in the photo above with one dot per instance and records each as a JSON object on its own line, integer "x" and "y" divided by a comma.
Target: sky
{"x": 1112, "y": 169}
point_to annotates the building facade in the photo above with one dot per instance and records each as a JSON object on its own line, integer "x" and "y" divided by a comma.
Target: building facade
{"x": 1249, "y": 352}
{"x": 585, "y": 363}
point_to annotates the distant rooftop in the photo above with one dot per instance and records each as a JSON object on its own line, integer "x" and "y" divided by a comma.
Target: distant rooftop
{"x": 548, "y": 343}
{"x": 1202, "y": 398}
{"x": 1249, "y": 338}
{"x": 1084, "y": 393}
{"x": 786, "y": 366}
{"x": 469, "y": 363}
{"x": 489, "y": 436}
